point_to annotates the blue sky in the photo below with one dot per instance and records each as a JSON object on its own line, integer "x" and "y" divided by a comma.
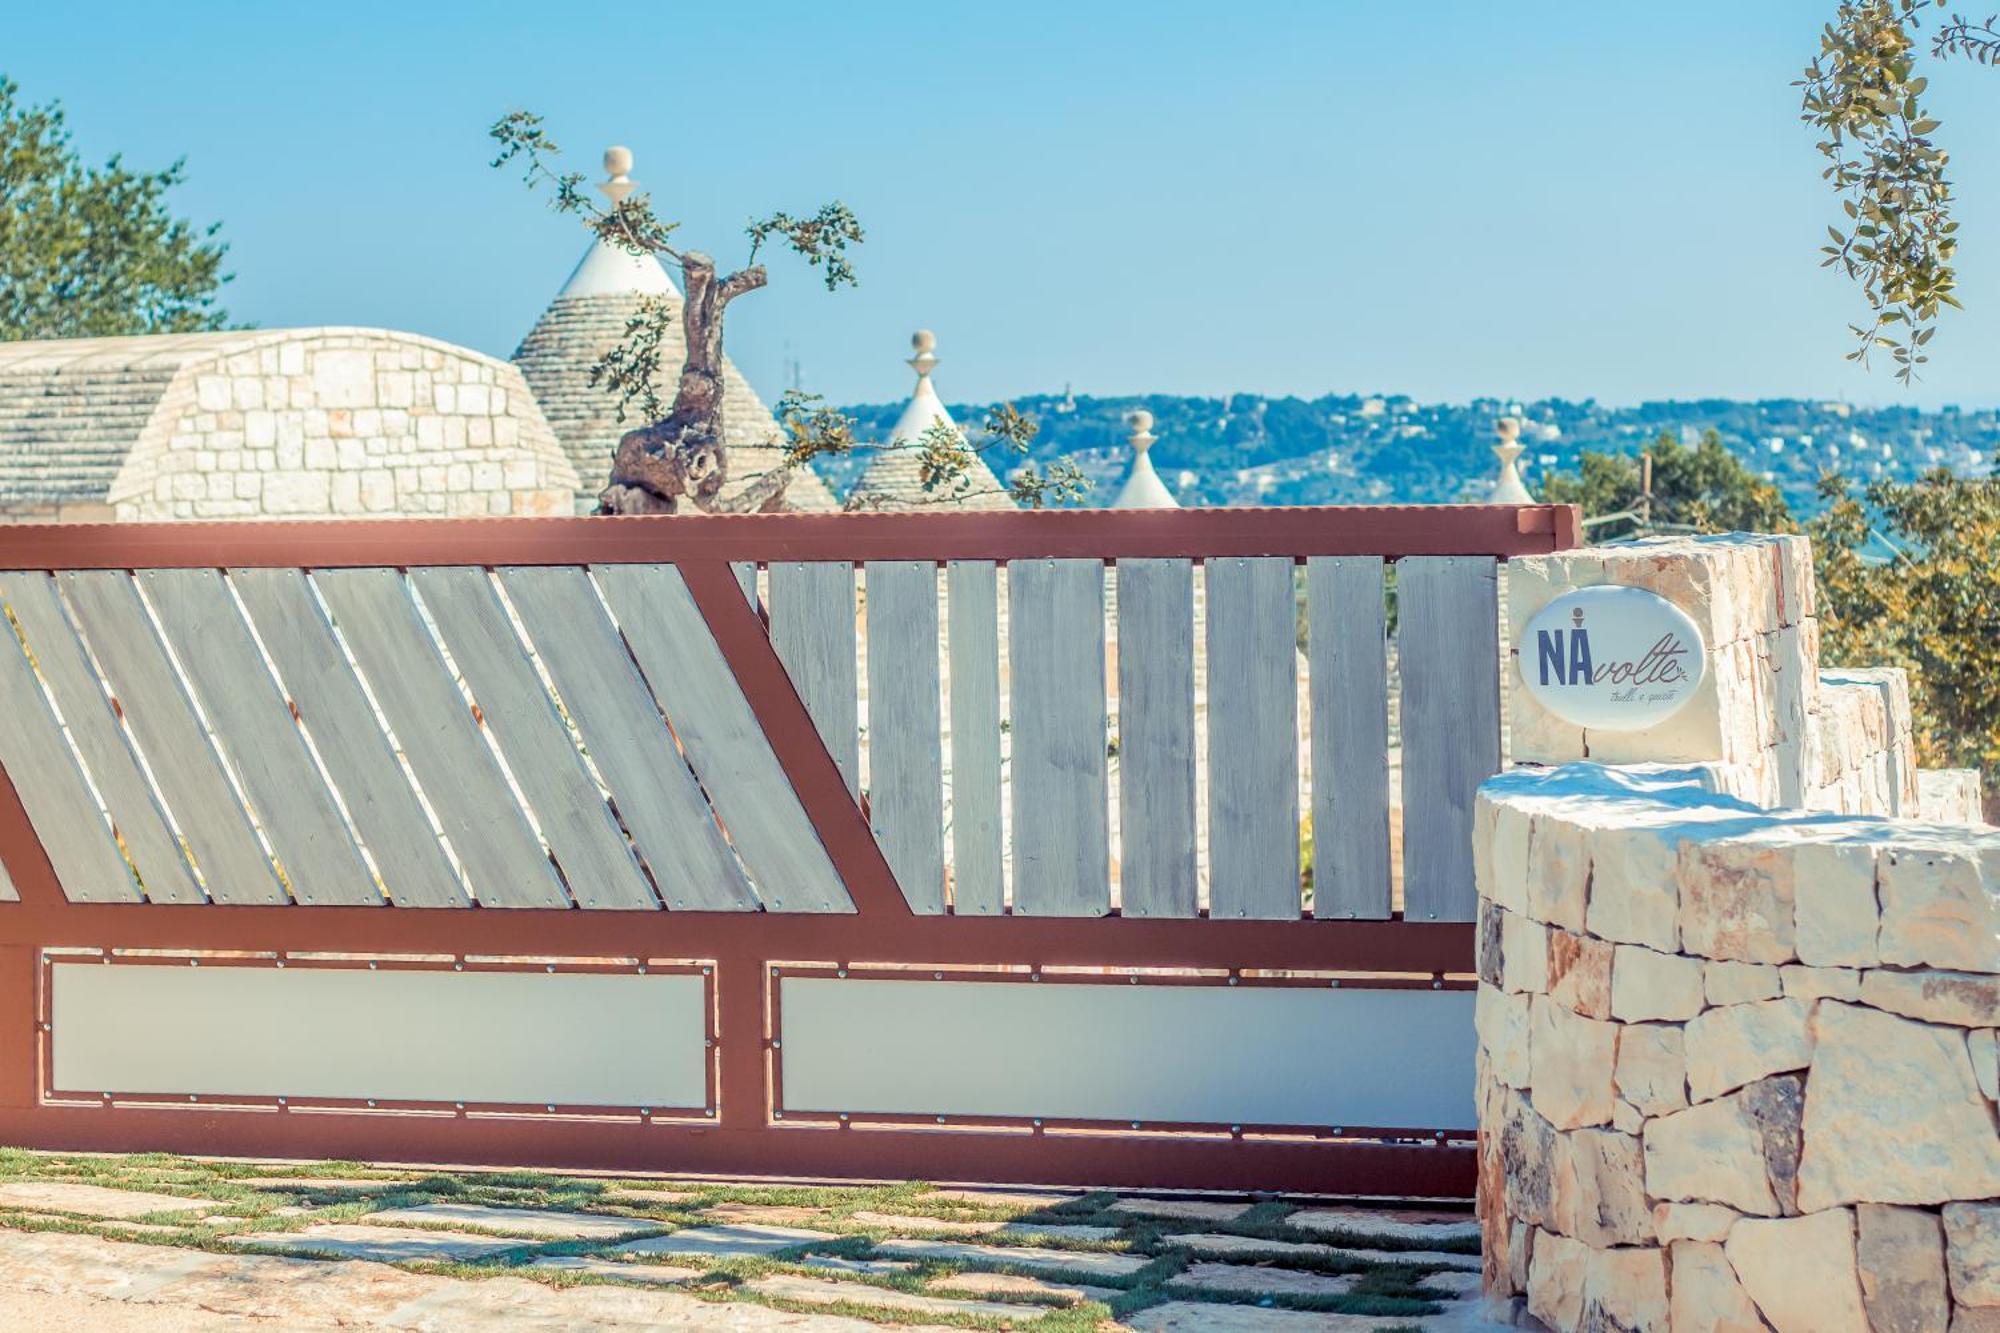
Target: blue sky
{"x": 1459, "y": 199}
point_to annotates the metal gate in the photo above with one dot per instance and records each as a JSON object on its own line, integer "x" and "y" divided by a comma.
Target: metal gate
{"x": 962, "y": 847}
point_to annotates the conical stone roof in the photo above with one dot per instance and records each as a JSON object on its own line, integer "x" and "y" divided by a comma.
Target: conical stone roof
{"x": 894, "y": 477}
{"x": 587, "y": 319}
{"x": 1143, "y": 488}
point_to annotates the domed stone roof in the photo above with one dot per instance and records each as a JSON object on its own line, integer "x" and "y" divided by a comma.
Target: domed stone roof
{"x": 894, "y": 477}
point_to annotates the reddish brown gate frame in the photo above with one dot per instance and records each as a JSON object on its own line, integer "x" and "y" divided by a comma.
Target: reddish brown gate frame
{"x": 743, "y": 1131}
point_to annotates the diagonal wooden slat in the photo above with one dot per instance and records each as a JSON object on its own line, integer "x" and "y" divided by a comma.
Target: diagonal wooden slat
{"x": 1448, "y": 635}
{"x": 256, "y": 730}
{"x": 1253, "y": 746}
{"x": 905, "y": 756}
{"x": 1156, "y": 768}
{"x": 620, "y": 723}
{"x": 408, "y": 678}
{"x": 580, "y": 829}
{"x": 52, "y": 789}
{"x": 234, "y": 868}
{"x": 1348, "y": 668}
{"x": 724, "y": 742}
{"x": 150, "y": 843}
{"x": 349, "y": 738}
{"x": 1055, "y": 657}
{"x": 973, "y": 596}
{"x": 812, "y": 628}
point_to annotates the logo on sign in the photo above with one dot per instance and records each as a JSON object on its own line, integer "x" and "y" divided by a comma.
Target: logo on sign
{"x": 1612, "y": 658}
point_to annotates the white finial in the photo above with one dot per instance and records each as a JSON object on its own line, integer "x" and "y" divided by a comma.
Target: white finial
{"x": 924, "y": 343}
{"x": 1508, "y": 488}
{"x": 1141, "y": 437}
{"x": 618, "y": 169}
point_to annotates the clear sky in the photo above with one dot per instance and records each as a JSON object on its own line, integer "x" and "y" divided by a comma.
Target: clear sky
{"x": 1463, "y": 198}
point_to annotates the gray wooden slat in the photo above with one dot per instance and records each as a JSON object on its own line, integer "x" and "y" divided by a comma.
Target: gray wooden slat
{"x": 8, "y": 894}
{"x": 256, "y": 731}
{"x": 746, "y": 578}
{"x": 973, "y": 597}
{"x": 812, "y": 628}
{"x": 150, "y": 843}
{"x": 233, "y": 866}
{"x": 1348, "y": 671}
{"x": 619, "y": 720}
{"x": 1156, "y": 755}
{"x": 905, "y": 746}
{"x": 578, "y": 825}
{"x": 1055, "y": 656}
{"x": 43, "y": 770}
{"x": 725, "y": 743}
{"x": 407, "y": 676}
{"x": 350, "y": 740}
{"x": 1253, "y": 739}
{"x": 1447, "y": 629}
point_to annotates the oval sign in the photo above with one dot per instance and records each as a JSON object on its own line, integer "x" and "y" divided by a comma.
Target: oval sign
{"x": 1612, "y": 658}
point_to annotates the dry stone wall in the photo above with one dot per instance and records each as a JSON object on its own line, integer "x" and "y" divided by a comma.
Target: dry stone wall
{"x": 1737, "y": 1067}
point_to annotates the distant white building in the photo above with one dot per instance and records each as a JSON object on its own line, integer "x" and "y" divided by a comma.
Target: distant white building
{"x": 1143, "y": 488}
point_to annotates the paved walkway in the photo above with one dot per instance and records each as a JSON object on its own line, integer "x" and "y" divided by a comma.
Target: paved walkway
{"x": 163, "y": 1246}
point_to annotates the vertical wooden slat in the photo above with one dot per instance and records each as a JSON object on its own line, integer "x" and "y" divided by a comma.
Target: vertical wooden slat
{"x": 349, "y": 739}
{"x": 1055, "y": 656}
{"x": 114, "y": 623}
{"x": 619, "y": 720}
{"x": 1347, "y": 652}
{"x": 1447, "y": 626}
{"x": 52, "y": 790}
{"x": 727, "y": 747}
{"x": 905, "y": 747}
{"x": 256, "y": 730}
{"x": 746, "y": 578}
{"x": 973, "y": 598}
{"x": 812, "y": 627}
{"x": 8, "y": 894}
{"x": 1156, "y": 755}
{"x": 1253, "y": 745}
{"x": 520, "y": 715}
{"x": 93, "y": 726}
{"x": 407, "y": 675}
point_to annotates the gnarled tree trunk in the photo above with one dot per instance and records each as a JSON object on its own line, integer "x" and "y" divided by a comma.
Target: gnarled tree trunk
{"x": 681, "y": 459}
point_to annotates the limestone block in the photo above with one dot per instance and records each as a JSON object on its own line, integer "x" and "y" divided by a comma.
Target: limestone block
{"x": 1524, "y": 952}
{"x": 1557, "y": 1270}
{"x": 1740, "y": 983}
{"x": 296, "y": 493}
{"x": 1741, "y": 1043}
{"x": 1600, "y": 1190}
{"x": 1580, "y": 973}
{"x": 1712, "y": 1153}
{"x": 1737, "y": 900}
{"x": 1652, "y": 1067}
{"x": 1900, "y": 1255}
{"x": 1834, "y": 910}
{"x": 1821, "y": 983}
{"x": 1627, "y": 1118}
{"x": 1968, "y": 999}
{"x": 1949, "y": 796}
{"x": 1699, "y": 731}
{"x": 1570, "y": 1060}
{"x": 1646, "y": 984}
{"x": 1558, "y": 872}
{"x": 1626, "y": 1289}
{"x": 1706, "y": 1295}
{"x": 1941, "y": 907}
{"x": 1502, "y": 1022}
{"x": 1871, "y": 1070}
{"x": 1692, "y": 1221}
{"x": 1487, "y": 959}
{"x": 1972, "y": 1252}
{"x": 1634, "y": 896}
{"x": 1801, "y": 1271}
{"x": 1527, "y": 1147}
{"x": 1985, "y": 1048}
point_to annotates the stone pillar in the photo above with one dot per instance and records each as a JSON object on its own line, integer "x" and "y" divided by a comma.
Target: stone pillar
{"x": 1737, "y": 1068}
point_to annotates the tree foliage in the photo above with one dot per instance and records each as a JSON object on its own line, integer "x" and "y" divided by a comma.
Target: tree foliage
{"x": 94, "y": 251}
{"x": 1705, "y": 488}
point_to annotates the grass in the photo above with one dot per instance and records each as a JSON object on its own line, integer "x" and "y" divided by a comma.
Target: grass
{"x": 1382, "y": 1286}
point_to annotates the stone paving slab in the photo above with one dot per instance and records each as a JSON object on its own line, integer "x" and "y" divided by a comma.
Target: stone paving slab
{"x": 1098, "y": 1263}
{"x": 1227, "y": 1245}
{"x": 936, "y": 1225}
{"x": 1184, "y": 1210}
{"x": 836, "y": 1263}
{"x": 537, "y": 1222}
{"x": 393, "y": 1245}
{"x": 1260, "y": 1280}
{"x": 771, "y": 1214}
{"x": 589, "y": 1265}
{"x": 1459, "y": 1284}
{"x": 1000, "y": 1198}
{"x": 325, "y": 1184}
{"x": 62, "y": 1196}
{"x": 740, "y": 1241}
{"x": 649, "y": 1198}
{"x": 1204, "y": 1317}
{"x": 1016, "y": 1284}
{"x": 1364, "y": 1222}
{"x": 820, "y": 1291}
{"x": 1059, "y": 1231}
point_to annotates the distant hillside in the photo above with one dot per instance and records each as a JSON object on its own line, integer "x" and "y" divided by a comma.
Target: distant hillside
{"x": 1351, "y": 449}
